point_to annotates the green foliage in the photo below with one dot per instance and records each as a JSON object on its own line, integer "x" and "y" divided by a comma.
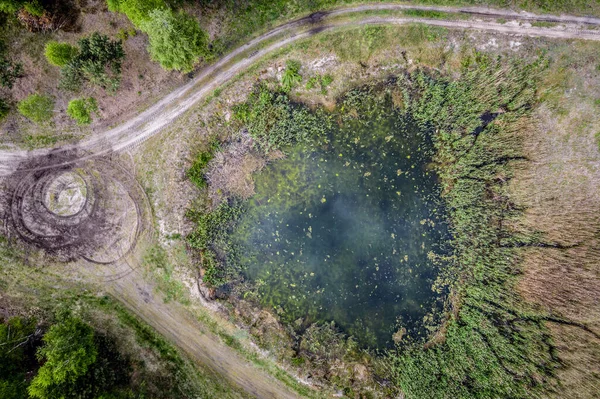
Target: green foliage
{"x": 60, "y": 54}
{"x": 34, "y": 8}
{"x": 80, "y": 363}
{"x": 18, "y": 340}
{"x": 126, "y": 34}
{"x": 98, "y": 61}
{"x": 428, "y": 14}
{"x": 68, "y": 353}
{"x": 196, "y": 172}
{"x": 323, "y": 81}
{"x": 496, "y": 346}
{"x": 81, "y": 110}
{"x": 275, "y": 122}
{"x": 137, "y": 11}
{"x": 4, "y": 108}
{"x": 9, "y": 71}
{"x": 291, "y": 76}
{"x": 210, "y": 235}
{"x": 597, "y": 136}
{"x": 176, "y": 39}
{"x": 157, "y": 260}
{"x": 37, "y": 107}
{"x": 11, "y": 6}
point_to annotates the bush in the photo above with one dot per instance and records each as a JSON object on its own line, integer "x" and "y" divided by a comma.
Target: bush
{"x": 275, "y": 122}
{"x": 9, "y": 72}
{"x": 36, "y": 107}
{"x": 176, "y": 40}
{"x": 98, "y": 61}
{"x": 137, "y": 11}
{"x": 11, "y": 6}
{"x": 196, "y": 172}
{"x": 34, "y": 8}
{"x": 60, "y": 54}
{"x": 81, "y": 109}
{"x": 291, "y": 76}
{"x": 4, "y": 108}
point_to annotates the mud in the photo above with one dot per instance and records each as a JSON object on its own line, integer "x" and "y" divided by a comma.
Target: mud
{"x": 74, "y": 207}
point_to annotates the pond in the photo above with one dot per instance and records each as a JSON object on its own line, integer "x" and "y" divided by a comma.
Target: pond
{"x": 347, "y": 228}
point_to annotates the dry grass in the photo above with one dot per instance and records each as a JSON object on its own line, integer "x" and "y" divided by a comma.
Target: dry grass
{"x": 560, "y": 191}
{"x": 230, "y": 172}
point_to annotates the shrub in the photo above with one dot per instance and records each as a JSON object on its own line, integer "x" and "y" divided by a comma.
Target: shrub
{"x": 4, "y": 108}
{"x": 36, "y": 107}
{"x": 98, "y": 61}
{"x": 176, "y": 40}
{"x": 9, "y": 72}
{"x": 137, "y": 11}
{"x": 81, "y": 109}
{"x": 10, "y": 6}
{"x": 60, "y": 54}
{"x": 34, "y": 8}
{"x": 291, "y": 76}
{"x": 196, "y": 172}
{"x": 275, "y": 122}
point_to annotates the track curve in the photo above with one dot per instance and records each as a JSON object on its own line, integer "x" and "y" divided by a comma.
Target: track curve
{"x": 158, "y": 116}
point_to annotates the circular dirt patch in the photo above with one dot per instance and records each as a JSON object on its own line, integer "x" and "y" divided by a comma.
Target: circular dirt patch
{"x": 75, "y": 208}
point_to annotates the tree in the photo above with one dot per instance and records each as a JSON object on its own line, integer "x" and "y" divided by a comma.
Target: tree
{"x": 36, "y": 107}
{"x": 136, "y": 10}
{"x": 60, "y": 54}
{"x": 68, "y": 352}
{"x": 81, "y": 109}
{"x": 98, "y": 61}
{"x": 18, "y": 339}
{"x": 176, "y": 39}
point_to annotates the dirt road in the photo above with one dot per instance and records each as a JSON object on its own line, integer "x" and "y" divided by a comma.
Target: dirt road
{"x": 161, "y": 114}
{"x": 179, "y": 326}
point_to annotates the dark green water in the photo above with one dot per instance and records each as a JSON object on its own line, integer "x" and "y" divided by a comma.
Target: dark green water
{"x": 343, "y": 229}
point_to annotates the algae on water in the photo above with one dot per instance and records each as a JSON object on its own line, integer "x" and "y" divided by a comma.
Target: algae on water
{"x": 343, "y": 229}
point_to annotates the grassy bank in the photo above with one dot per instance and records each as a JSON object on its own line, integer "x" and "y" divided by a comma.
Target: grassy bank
{"x": 130, "y": 359}
{"x": 492, "y": 344}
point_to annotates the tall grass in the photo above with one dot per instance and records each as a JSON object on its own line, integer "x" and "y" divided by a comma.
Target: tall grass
{"x": 493, "y": 344}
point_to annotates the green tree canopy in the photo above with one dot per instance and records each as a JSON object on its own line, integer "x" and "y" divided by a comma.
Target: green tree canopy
{"x": 176, "y": 39}
{"x": 136, "y": 10}
{"x": 18, "y": 337}
{"x": 68, "y": 352}
{"x": 81, "y": 110}
{"x": 60, "y": 54}
{"x": 10, "y": 6}
{"x": 98, "y": 61}
{"x": 36, "y": 107}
